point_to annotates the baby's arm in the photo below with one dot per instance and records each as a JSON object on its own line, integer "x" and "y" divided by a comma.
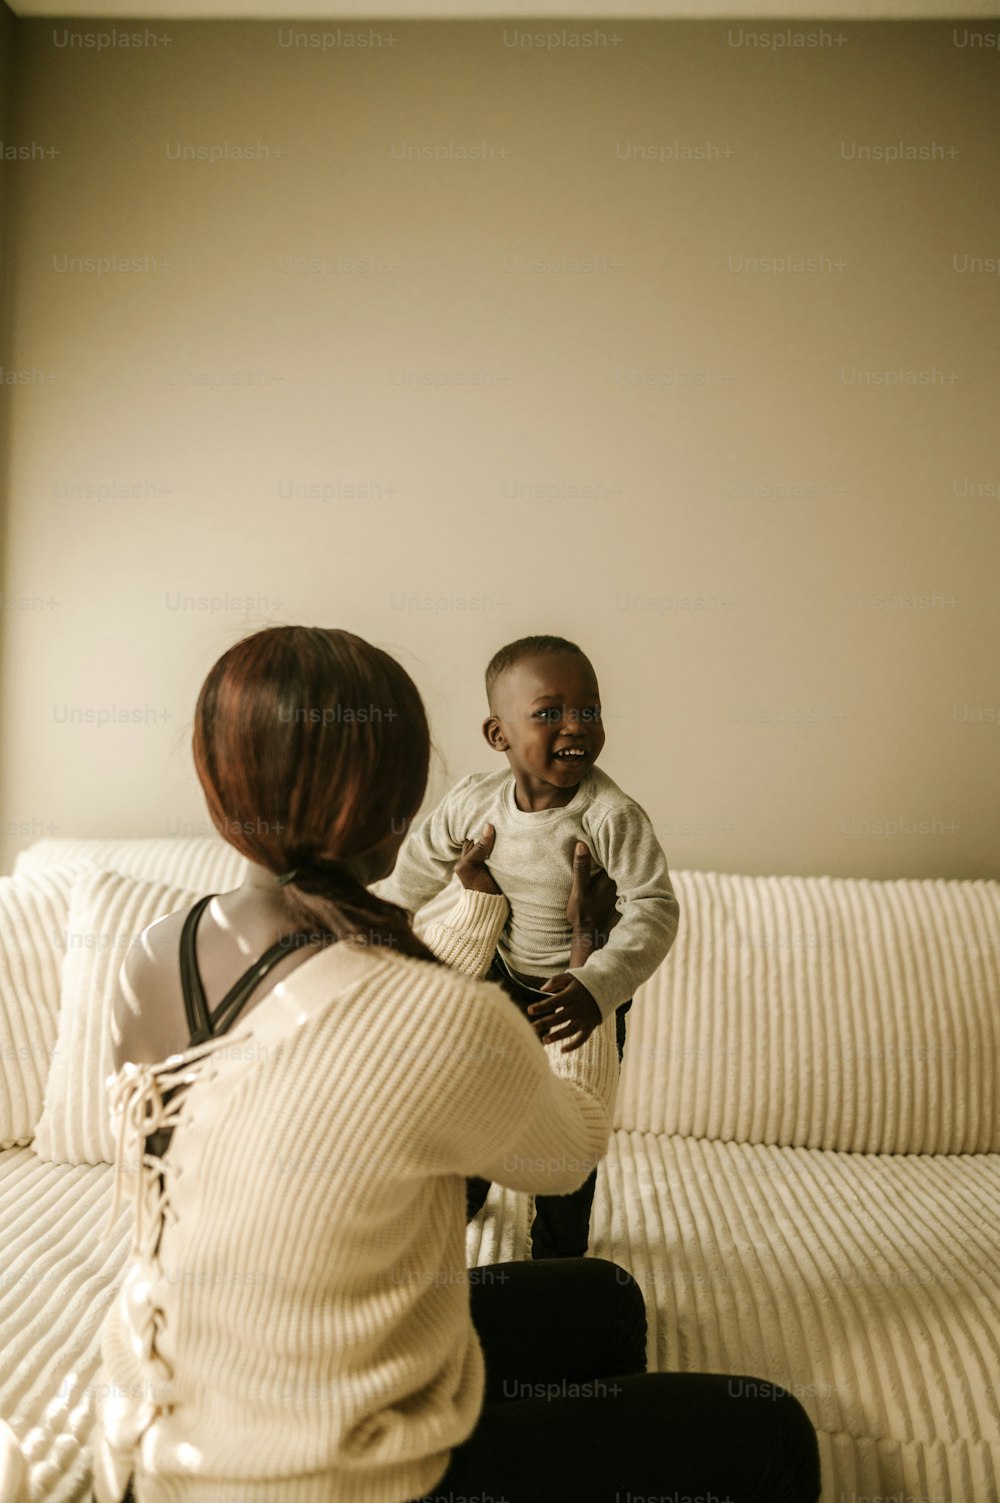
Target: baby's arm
{"x": 626, "y": 846}
{"x": 428, "y": 855}
{"x": 569, "y": 1014}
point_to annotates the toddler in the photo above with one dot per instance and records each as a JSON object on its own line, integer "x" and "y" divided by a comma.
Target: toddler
{"x": 545, "y": 717}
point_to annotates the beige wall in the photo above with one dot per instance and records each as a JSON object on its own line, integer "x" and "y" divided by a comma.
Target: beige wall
{"x": 784, "y": 674}
{"x": 8, "y": 130}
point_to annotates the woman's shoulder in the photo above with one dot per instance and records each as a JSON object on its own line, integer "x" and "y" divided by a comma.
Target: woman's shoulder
{"x": 144, "y": 1021}
{"x": 163, "y": 934}
{"x": 156, "y": 948}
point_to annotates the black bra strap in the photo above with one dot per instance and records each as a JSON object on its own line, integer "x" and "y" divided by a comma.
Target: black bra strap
{"x": 229, "y": 1009}
{"x": 203, "y": 1024}
{"x": 195, "y": 1007}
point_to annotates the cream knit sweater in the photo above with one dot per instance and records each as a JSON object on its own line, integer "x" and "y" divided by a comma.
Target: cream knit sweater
{"x": 294, "y": 1320}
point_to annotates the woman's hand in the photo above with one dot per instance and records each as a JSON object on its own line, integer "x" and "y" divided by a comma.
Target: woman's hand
{"x": 570, "y": 1009}
{"x": 591, "y": 908}
{"x": 471, "y": 869}
{"x": 571, "y": 1014}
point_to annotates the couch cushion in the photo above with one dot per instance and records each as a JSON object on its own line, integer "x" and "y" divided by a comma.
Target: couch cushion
{"x": 204, "y": 864}
{"x": 823, "y": 1012}
{"x": 108, "y": 911}
{"x": 33, "y": 913}
{"x": 56, "y": 1283}
{"x": 867, "y": 1285}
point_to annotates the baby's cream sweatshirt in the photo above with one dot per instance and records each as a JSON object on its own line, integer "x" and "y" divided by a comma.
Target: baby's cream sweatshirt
{"x": 531, "y": 861}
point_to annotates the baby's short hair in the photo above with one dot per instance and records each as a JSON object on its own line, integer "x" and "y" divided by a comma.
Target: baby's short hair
{"x": 516, "y": 652}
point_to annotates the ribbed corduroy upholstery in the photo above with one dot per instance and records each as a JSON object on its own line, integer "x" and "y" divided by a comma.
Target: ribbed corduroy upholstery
{"x": 822, "y": 1012}
{"x": 201, "y": 863}
{"x": 108, "y": 911}
{"x": 867, "y": 1285}
{"x": 57, "y": 1280}
{"x": 33, "y": 913}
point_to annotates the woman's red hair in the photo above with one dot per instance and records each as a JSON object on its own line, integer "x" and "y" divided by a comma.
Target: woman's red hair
{"x": 312, "y": 746}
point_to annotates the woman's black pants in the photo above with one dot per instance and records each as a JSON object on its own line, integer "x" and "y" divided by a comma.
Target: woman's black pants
{"x": 571, "y": 1415}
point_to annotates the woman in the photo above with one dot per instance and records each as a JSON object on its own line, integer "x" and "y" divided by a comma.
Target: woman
{"x": 297, "y": 1321}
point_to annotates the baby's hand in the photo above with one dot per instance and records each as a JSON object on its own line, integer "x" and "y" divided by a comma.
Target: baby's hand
{"x": 571, "y": 1009}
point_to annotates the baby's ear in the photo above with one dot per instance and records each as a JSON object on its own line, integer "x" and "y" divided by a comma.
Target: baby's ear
{"x": 493, "y": 732}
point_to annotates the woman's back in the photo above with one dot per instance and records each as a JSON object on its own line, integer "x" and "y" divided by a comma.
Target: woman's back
{"x": 150, "y": 1020}
{"x": 297, "y": 1307}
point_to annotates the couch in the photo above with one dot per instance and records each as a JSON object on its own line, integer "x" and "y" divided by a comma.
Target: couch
{"x": 804, "y": 1173}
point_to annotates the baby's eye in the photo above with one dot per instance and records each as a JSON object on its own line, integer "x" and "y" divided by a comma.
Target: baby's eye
{"x": 552, "y": 713}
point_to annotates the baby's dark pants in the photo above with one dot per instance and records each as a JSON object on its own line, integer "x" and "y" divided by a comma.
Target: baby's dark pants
{"x": 561, "y": 1228}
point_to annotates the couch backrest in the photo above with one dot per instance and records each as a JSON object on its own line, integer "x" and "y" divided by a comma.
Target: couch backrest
{"x": 823, "y": 1012}
{"x": 817, "y": 1012}
{"x": 200, "y": 863}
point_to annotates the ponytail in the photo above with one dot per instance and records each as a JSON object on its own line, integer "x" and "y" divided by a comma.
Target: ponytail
{"x": 326, "y": 898}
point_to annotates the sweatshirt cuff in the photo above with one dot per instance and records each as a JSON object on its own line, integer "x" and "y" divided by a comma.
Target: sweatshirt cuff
{"x": 467, "y": 937}
{"x": 605, "y": 990}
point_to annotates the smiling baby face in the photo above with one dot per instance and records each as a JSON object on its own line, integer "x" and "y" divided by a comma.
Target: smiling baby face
{"x": 546, "y": 717}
